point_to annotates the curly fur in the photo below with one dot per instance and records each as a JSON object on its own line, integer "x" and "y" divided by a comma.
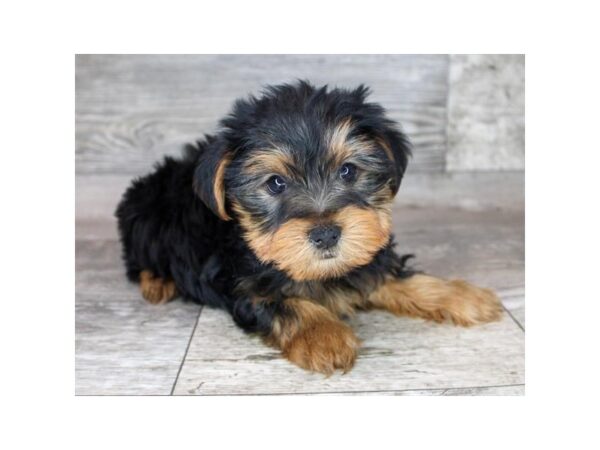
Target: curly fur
{"x": 206, "y": 227}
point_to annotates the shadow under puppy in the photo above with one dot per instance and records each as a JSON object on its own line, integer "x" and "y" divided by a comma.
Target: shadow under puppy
{"x": 283, "y": 219}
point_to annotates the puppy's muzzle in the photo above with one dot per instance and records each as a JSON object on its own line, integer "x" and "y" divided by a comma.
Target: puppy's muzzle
{"x": 325, "y": 237}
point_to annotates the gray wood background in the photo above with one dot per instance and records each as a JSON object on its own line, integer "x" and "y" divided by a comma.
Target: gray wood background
{"x": 460, "y": 210}
{"x": 462, "y": 112}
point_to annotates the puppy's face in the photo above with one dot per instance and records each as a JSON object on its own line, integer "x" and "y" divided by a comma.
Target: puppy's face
{"x": 310, "y": 176}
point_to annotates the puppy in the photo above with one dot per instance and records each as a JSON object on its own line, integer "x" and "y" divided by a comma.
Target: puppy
{"x": 283, "y": 219}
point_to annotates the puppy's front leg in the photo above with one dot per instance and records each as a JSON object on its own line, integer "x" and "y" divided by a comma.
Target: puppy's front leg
{"x": 312, "y": 337}
{"x": 437, "y": 299}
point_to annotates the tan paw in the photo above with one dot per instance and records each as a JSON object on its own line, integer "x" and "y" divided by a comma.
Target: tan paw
{"x": 470, "y": 305}
{"x": 156, "y": 290}
{"x": 324, "y": 347}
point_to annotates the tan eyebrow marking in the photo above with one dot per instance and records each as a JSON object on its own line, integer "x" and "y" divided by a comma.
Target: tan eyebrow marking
{"x": 342, "y": 147}
{"x": 271, "y": 160}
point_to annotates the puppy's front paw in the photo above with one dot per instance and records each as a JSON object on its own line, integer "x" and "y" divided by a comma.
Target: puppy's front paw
{"x": 471, "y": 305}
{"x": 324, "y": 347}
{"x": 438, "y": 300}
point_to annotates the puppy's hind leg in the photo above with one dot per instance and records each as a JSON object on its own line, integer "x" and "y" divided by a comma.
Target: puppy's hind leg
{"x": 156, "y": 290}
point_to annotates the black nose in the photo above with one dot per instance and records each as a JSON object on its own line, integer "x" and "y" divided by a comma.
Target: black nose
{"x": 325, "y": 236}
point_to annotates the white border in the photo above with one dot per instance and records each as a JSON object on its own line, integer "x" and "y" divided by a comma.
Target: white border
{"x": 38, "y": 43}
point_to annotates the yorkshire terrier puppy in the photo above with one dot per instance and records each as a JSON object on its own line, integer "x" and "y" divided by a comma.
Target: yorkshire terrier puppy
{"x": 283, "y": 219}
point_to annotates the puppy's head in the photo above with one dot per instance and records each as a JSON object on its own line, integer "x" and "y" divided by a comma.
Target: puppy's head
{"x": 309, "y": 174}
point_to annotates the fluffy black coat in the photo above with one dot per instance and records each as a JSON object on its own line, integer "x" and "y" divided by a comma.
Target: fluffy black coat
{"x": 168, "y": 225}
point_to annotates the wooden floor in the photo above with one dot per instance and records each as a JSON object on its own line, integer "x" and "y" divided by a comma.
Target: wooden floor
{"x": 126, "y": 346}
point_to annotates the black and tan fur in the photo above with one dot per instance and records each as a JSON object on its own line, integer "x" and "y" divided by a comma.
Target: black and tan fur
{"x": 283, "y": 218}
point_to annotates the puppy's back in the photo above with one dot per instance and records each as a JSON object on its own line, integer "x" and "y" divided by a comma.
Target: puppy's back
{"x": 159, "y": 218}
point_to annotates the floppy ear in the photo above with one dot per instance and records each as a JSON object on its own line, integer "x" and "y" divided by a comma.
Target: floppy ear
{"x": 397, "y": 148}
{"x": 386, "y": 133}
{"x": 209, "y": 176}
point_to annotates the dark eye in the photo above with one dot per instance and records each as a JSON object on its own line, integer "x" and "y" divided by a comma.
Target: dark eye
{"x": 276, "y": 185}
{"x": 348, "y": 172}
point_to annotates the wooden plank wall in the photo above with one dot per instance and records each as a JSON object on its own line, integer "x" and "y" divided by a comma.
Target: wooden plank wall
{"x": 132, "y": 109}
{"x": 462, "y": 112}
{"x": 486, "y": 113}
